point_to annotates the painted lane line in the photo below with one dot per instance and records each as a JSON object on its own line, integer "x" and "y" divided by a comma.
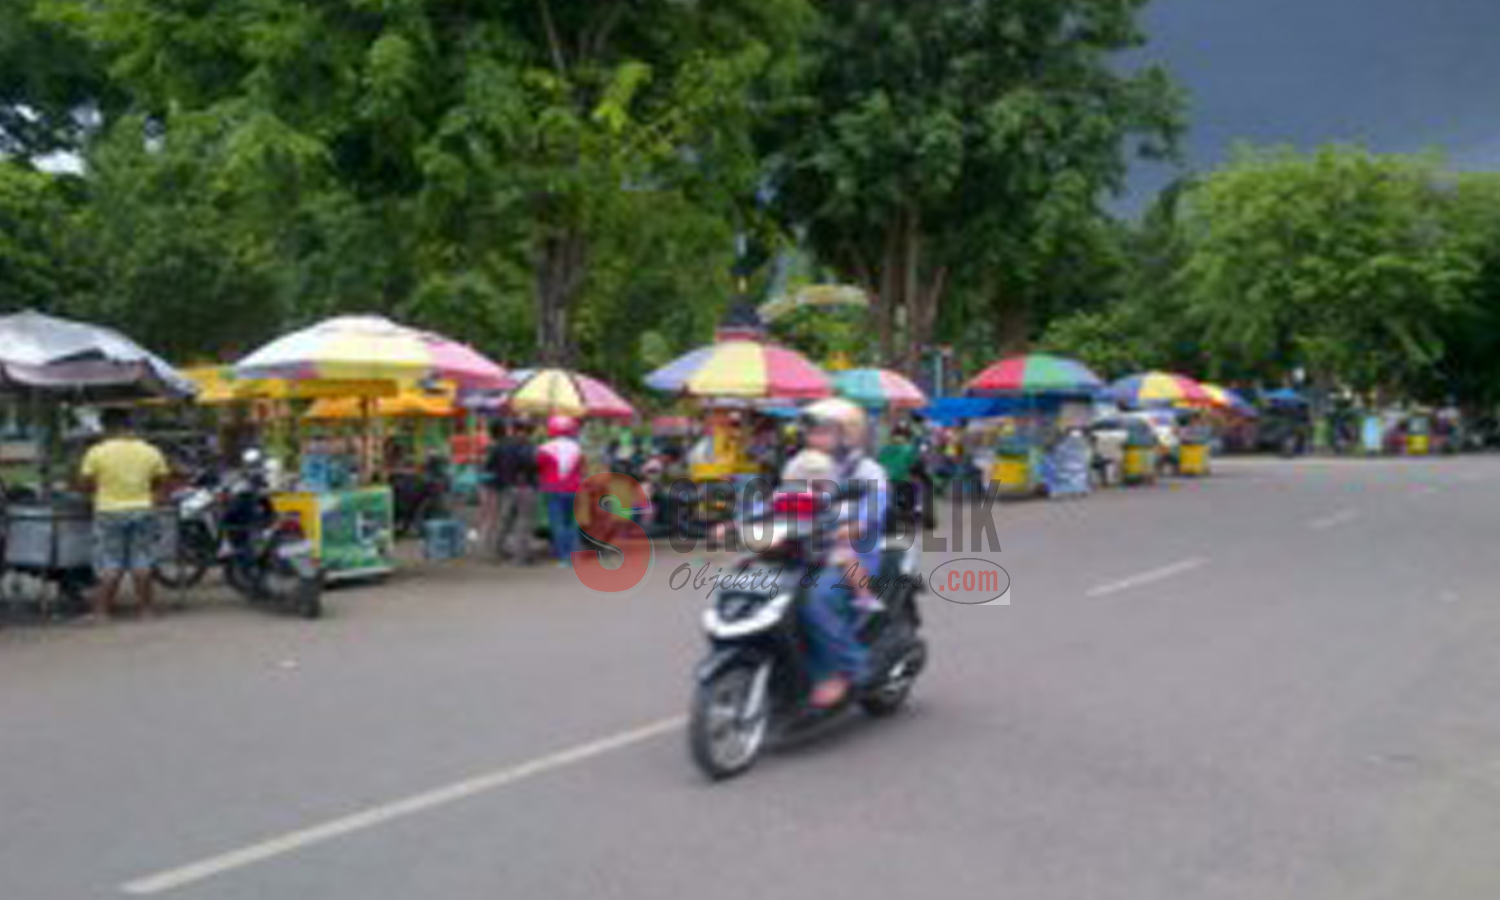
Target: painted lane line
{"x": 1342, "y": 517}
{"x": 1150, "y": 577}
{"x": 1427, "y": 490}
{"x": 301, "y": 839}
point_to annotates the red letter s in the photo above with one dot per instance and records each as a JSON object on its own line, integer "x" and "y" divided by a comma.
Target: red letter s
{"x": 613, "y": 530}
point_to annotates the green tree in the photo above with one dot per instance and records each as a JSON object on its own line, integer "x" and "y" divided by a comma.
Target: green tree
{"x": 462, "y": 141}
{"x": 1341, "y": 261}
{"x": 1140, "y": 320}
{"x": 36, "y": 232}
{"x": 1469, "y": 370}
{"x": 933, "y": 145}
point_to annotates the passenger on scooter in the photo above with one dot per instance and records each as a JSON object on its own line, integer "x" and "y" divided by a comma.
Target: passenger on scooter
{"x": 841, "y": 430}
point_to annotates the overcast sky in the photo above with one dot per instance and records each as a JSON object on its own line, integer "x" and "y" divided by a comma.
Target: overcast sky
{"x": 1394, "y": 75}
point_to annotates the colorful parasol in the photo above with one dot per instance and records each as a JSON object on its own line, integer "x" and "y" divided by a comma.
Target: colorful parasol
{"x": 1160, "y": 389}
{"x": 742, "y": 369}
{"x": 369, "y": 348}
{"x": 878, "y": 387}
{"x": 565, "y": 393}
{"x": 1037, "y": 373}
{"x": 1226, "y": 399}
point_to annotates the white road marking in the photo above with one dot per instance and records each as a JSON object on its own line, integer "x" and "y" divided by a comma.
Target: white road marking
{"x": 1342, "y": 517}
{"x": 1151, "y": 577}
{"x": 301, "y": 839}
{"x": 1427, "y": 490}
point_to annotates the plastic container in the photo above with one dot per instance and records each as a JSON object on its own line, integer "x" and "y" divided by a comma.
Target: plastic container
{"x": 443, "y": 539}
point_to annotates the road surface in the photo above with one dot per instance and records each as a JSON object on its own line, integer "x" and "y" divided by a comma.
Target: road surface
{"x": 1283, "y": 681}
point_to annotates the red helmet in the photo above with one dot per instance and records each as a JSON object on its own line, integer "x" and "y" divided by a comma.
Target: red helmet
{"x": 559, "y": 426}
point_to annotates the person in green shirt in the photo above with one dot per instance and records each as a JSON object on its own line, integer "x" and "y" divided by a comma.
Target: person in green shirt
{"x": 902, "y": 460}
{"x": 899, "y": 457}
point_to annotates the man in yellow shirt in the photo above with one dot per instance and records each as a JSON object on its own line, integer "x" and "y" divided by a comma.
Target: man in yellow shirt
{"x": 124, "y": 472}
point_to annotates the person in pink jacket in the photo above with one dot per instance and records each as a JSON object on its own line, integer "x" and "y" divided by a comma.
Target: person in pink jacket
{"x": 559, "y": 464}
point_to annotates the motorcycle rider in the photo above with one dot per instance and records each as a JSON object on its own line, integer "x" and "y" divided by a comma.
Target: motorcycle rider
{"x": 841, "y": 430}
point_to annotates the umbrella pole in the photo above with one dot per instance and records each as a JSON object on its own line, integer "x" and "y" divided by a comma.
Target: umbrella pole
{"x": 367, "y": 460}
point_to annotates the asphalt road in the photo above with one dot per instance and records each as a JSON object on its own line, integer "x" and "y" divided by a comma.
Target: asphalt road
{"x": 1278, "y": 682}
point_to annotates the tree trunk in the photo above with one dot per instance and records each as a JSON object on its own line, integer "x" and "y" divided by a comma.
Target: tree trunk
{"x": 911, "y": 294}
{"x": 888, "y": 298}
{"x": 1012, "y": 327}
{"x": 559, "y": 279}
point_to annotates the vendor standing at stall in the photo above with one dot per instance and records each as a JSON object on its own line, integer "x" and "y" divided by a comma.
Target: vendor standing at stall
{"x": 123, "y": 472}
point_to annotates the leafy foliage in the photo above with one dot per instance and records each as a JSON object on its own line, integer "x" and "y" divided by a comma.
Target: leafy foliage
{"x": 1341, "y": 261}
{"x": 936, "y": 145}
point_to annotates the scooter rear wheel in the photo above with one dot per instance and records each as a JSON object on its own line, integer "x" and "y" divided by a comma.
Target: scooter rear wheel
{"x": 888, "y": 697}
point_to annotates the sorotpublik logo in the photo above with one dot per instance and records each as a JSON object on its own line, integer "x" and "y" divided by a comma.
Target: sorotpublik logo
{"x": 970, "y": 581}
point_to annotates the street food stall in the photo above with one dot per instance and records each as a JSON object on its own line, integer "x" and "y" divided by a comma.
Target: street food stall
{"x": 728, "y": 377}
{"x": 48, "y": 366}
{"x": 1036, "y": 386}
{"x": 343, "y": 496}
{"x": 1159, "y": 391}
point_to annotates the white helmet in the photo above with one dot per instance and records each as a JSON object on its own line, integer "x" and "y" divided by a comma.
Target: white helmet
{"x": 851, "y": 419}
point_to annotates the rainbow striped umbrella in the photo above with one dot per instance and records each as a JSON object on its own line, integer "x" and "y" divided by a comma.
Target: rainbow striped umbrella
{"x": 1036, "y": 373}
{"x": 742, "y": 369}
{"x": 370, "y": 348}
{"x": 564, "y": 393}
{"x": 1160, "y": 389}
{"x": 878, "y": 387}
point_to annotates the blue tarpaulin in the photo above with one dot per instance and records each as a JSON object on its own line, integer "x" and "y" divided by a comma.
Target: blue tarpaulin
{"x": 952, "y": 410}
{"x": 1285, "y": 397}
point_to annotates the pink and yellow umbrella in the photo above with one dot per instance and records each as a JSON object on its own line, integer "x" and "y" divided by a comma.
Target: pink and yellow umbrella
{"x": 563, "y": 393}
{"x": 370, "y": 348}
{"x": 742, "y": 369}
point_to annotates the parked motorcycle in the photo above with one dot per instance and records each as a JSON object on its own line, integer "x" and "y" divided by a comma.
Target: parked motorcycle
{"x": 755, "y": 682}
{"x": 265, "y": 556}
{"x": 199, "y": 534}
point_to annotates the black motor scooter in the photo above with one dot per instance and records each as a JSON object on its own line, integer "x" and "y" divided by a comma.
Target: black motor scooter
{"x": 755, "y": 682}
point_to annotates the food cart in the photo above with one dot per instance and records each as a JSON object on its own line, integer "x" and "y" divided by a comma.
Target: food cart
{"x": 1140, "y": 462}
{"x": 48, "y": 365}
{"x": 343, "y": 497}
{"x": 1177, "y": 402}
{"x": 1035, "y": 387}
{"x": 1194, "y": 445}
{"x": 729, "y": 377}
{"x": 1015, "y": 446}
{"x": 1418, "y": 434}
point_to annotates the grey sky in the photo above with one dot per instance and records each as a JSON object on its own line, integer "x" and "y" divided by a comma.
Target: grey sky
{"x": 1394, "y": 75}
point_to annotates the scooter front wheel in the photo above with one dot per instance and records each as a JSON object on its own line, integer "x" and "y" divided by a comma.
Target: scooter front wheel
{"x": 730, "y": 717}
